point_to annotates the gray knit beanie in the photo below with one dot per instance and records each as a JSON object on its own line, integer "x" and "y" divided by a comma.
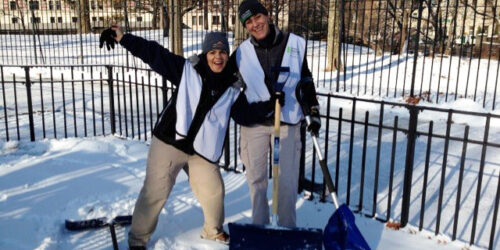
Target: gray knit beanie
{"x": 215, "y": 40}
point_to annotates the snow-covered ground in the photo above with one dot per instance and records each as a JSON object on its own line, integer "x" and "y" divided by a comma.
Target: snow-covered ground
{"x": 43, "y": 183}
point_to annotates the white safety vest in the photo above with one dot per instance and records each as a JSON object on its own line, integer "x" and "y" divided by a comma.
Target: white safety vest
{"x": 253, "y": 75}
{"x": 209, "y": 139}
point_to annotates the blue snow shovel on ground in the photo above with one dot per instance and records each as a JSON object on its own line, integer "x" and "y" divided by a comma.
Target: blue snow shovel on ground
{"x": 341, "y": 231}
{"x": 248, "y": 236}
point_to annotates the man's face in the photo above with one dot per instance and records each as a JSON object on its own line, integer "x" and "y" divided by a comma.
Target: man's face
{"x": 217, "y": 60}
{"x": 258, "y": 26}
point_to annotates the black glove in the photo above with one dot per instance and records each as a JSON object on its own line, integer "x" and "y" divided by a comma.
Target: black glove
{"x": 280, "y": 96}
{"x": 306, "y": 92}
{"x": 239, "y": 83}
{"x": 315, "y": 124}
{"x": 108, "y": 37}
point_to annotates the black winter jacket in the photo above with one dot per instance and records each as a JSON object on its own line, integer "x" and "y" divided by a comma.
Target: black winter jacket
{"x": 270, "y": 53}
{"x": 171, "y": 66}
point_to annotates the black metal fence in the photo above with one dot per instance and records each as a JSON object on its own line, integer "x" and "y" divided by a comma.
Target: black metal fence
{"x": 82, "y": 100}
{"x": 438, "y": 50}
{"x": 425, "y": 166}
{"x": 435, "y": 168}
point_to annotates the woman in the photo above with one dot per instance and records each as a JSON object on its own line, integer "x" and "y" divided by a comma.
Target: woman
{"x": 190, "y": 130}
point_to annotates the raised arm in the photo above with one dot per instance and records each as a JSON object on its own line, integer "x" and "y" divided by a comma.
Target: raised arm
{"x": 160, "y": 59}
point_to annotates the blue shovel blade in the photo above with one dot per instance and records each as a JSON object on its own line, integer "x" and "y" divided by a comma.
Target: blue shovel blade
{"x": 341, "y": 231}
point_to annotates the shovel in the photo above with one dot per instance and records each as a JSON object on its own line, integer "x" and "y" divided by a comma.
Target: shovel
{"x": 341, "y": 231}
{"x": 249, "y": 236}
{"x": 122, "y": 220}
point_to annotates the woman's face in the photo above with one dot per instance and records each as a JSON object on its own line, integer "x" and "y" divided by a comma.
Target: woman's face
{"x": 217, "y": 60}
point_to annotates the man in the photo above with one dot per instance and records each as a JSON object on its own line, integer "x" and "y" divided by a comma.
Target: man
{"x": 257, "y": 58}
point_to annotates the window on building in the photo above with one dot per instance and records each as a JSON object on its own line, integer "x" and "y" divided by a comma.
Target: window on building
{"x": 59, "y": 19}
{"x": 118, "y": 5}
{"x": 52, "y": 19}
{"x": 51, "y": 5}
{"x": 139, "y": 19}
{"x": 100, "y": 5}
{"x": 15, "y": 20}
{"x": 74, "y": 19}
{"x": 94, "y": 19}
{"x": 13, "y": 5}
{"x": 200, "y": 20}
{"x": 34, "y": 5}
{"x": 215, "y": 20}
{"x": 92, "y": 5}
{"x": 485, "y": 29}
{"x": 193, "y": 20}
{"x": 35, "y": 20}
{"x": 101, "y": 19}
{"x": 58, "y": 5}
{"x": 233, "y": 19}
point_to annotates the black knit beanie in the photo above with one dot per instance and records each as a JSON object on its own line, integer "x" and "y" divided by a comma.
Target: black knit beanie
{"x": 249, "y": 8}
{"x": 215, "y": 40}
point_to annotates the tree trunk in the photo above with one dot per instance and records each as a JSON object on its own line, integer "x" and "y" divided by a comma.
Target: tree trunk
{"x": 333, "y": 41}
{"x": 404, "y": 32}
{"x": 240, "y": 34}
{"x": 165, "y": 18}
{"x": 156, "y": 15}
{"x": 85, "y": 16}
{"x": 205, "y": 14}
{"x": 224, "y": 16}
{"x": 21, "y": 16}
{"x": 175, "y": 37}
{"x": 452, "y": 29}
{"x": 276, "y": 12}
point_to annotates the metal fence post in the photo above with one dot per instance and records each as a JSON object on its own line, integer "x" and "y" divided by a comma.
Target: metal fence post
{"x": 164, "y": 92}
{"x": 410, "y": 155}
{"x": 111, "y": 99}
{"x": 227, "y": 151}
{"x": 30, "y": 104}
{"x": 302, "y": 164}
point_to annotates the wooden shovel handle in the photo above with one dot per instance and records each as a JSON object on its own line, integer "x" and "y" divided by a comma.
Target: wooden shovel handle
{"x": 276, "y": 159}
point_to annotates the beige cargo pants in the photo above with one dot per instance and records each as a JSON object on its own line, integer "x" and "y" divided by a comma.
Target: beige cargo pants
{"x": 254, "y": 143}
{"x": 163, "y": 164}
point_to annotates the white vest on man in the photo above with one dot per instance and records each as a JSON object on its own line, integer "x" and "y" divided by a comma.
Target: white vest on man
{"x": 253, "y": 75}
{"x": 209, "y": 139}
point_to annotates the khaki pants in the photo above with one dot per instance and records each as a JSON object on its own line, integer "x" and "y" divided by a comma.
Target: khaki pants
{"x": 254, "y": 143}
{"x": 163, "y": 164}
